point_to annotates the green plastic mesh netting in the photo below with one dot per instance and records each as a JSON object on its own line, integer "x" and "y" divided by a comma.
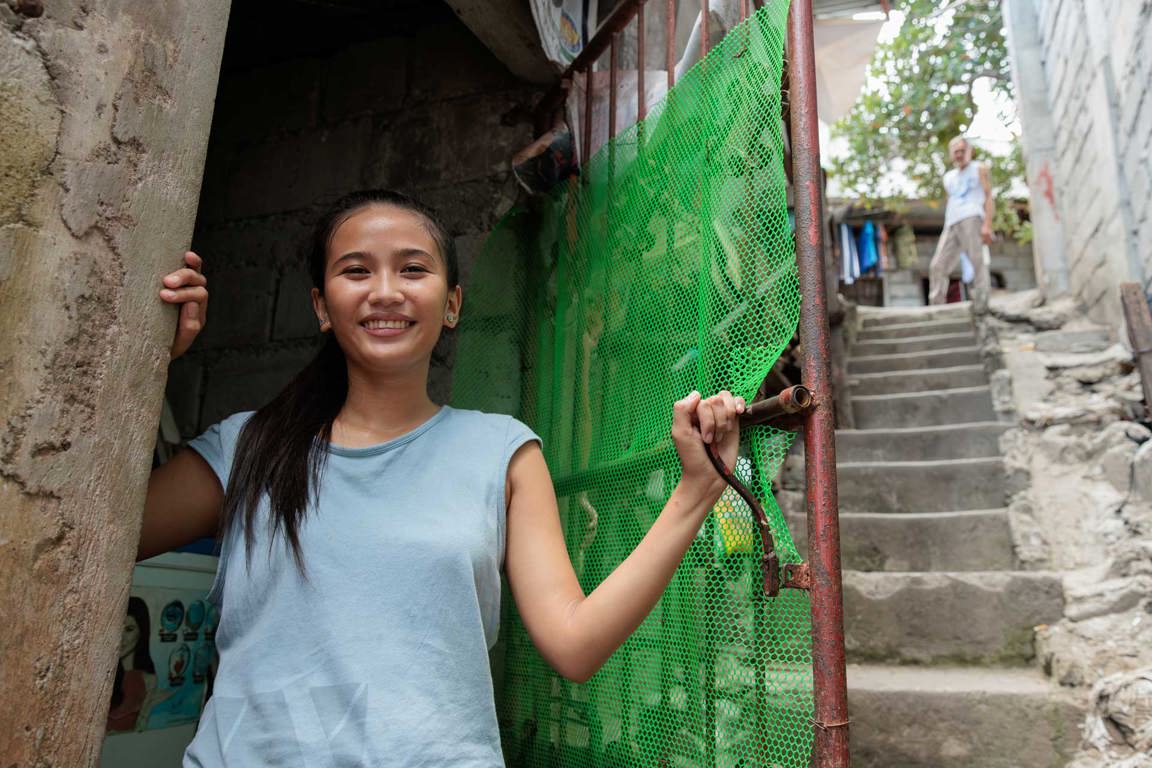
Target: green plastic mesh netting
{"x": 667, "y": 267}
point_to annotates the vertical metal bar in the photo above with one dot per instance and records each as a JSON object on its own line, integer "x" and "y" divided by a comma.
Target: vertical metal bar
{"x": 612, "y": 85}
{"x": 703, "y": 28}
{"x": 670, "y": 43}
{"x": 743, "y": 10}
{"x": 587, "y": 114}
{"x": 829, "y": 678}
{"x": 641, "y": 100}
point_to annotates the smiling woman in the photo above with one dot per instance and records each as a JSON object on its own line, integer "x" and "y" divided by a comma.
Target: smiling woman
{"x": 395, "y": 518}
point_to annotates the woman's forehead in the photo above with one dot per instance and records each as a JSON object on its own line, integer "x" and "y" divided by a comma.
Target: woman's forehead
{"x": 390, "y": 226}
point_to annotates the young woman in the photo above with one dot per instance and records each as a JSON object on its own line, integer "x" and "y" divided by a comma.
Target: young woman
{"x": 365, "y": 527}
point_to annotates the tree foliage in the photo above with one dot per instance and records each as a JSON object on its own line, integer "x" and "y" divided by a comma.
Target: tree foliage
{"x": 919, "y": 95}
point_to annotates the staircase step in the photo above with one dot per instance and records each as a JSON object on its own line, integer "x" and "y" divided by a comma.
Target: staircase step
{"x": 984, "y": 617}
{"x": 913, "y": 344}
{"x": 943, "y": 485}
{"x": 872, "y": 317}
{"x": 916, "y": 717}
{"x": 979, "y": 540}
{"x": 904, "y": 330}
{"x": 917, "y": 381}
{"x": 914, "y": 361}
{"x": 952, "y": 441}
{"x": 924, "y": 409}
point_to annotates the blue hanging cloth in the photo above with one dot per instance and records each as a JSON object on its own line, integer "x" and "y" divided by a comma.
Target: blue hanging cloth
{"x": 866, "y": 247}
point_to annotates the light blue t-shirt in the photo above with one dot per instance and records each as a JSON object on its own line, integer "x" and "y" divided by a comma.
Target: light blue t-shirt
{"x": 379, "y": 657}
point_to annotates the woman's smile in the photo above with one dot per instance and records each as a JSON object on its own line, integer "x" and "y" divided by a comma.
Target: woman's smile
{"x": 386, "y": 327}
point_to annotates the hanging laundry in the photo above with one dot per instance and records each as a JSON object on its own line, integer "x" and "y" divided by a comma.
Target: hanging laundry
{"x": 849, "y": 258}
{"x": 882, "y": 240}
{"x": 869, "y": 257}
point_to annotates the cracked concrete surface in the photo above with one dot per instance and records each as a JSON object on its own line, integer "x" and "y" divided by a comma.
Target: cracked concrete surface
{"x": 106, "y": 110}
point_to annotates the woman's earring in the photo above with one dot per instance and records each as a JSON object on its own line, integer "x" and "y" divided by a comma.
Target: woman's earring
{"x": 324, "y": 325}
{"x": 450, "y": 317}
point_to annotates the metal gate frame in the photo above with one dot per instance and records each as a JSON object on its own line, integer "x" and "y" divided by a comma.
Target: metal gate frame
{"x": 829, "y": 676}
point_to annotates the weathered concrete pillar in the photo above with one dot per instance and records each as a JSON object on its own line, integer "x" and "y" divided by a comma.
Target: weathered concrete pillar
{"x": 105, "y": 107}
{"x": 1039, "y": 144}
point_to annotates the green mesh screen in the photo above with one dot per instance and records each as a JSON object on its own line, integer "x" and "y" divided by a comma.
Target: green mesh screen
{"x": 667, "y": 267}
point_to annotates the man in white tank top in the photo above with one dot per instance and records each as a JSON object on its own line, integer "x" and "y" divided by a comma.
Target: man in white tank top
{"x": 967, "y": 226}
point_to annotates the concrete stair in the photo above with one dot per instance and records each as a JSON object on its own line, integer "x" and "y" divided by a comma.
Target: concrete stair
{"x": 939, "y": 625}
{"x": 949, "y": 441}
{"x": 876, "y": 317}
{"x": 898, "y": 331}
{"x": 865, "y": 347}
{"x": 913, "y": 717}
{"x": 935, "y": 617}
{"x": 972, "y": 540}
{"x": 943, "y": 485}
{"x": 915, "y": 361}
{"x": 962, "y": 405}
{"x": 918, "y": 381}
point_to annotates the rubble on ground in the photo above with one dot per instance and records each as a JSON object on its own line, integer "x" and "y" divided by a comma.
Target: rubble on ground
{"x": 1079, "y": 466}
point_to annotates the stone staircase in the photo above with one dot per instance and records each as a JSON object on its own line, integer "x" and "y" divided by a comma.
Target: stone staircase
{"x": 938, "y": 617}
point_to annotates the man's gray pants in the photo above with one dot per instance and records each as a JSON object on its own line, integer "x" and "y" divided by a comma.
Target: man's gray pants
{"x": 960, "y": 237}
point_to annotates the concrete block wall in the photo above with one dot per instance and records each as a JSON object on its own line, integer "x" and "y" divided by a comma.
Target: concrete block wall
{"x": 1098, "y": 78}
{"x": 431, "y": 113}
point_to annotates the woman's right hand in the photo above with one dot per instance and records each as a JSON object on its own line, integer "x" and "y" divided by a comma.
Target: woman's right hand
{"x": 187, "y": 287}
{"x": 715, "y": 421}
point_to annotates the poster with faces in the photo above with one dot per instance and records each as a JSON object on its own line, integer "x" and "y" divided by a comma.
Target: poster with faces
{"x": 166, "y": 661}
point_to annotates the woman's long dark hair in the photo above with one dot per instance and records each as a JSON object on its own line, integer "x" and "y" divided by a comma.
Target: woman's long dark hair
{"x": 282, "y": 449}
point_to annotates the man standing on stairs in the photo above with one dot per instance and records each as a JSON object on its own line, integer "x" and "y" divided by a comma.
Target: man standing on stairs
{"x": 967, "y": 226}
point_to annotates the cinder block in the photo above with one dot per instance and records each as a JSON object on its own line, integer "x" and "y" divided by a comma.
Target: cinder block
{"x": 183, "y": 392}
{"x": 259, "y": 104}
{"x": 241, "y": 381}
{"x": 450, "y": 62}
{"x": 295, "y": 318}
{"x": 368, "y": 78}
{"x": 297, "y": 171}
{"x": 240, "y": 307}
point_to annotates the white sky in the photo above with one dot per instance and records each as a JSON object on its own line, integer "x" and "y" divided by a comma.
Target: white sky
{"x": 992, "y": 129}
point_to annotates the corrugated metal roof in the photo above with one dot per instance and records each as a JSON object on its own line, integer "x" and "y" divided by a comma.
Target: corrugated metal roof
{"x": 832, "y": 8}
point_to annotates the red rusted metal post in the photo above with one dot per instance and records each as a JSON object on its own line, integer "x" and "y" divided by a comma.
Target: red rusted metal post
{"x": 829, "y": 677}
{"x": 670, "y": 42}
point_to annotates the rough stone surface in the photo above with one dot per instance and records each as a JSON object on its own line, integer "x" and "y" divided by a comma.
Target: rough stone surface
{"x": 1080, "y": 469}
{"x": 106, "y": 109}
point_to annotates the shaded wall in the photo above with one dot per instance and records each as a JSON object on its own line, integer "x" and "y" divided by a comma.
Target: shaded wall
{"x": 382, "y": 97}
